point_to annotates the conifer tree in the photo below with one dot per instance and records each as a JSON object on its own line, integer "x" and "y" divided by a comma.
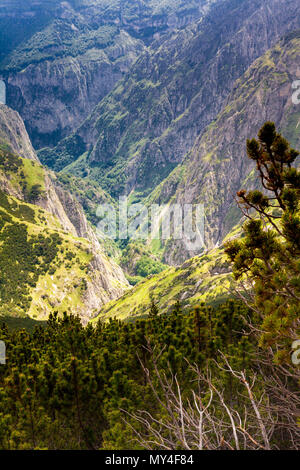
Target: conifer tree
{"x": 268, "y": 255}
{"x": 153, "y": 309}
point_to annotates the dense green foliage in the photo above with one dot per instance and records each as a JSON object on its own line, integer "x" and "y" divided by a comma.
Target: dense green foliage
{"x": 139, "y": 262}
{"x": 48, "y": 44}
{"x": 62, "y": 156}
{"x": 42, "y": 267}
{"x": 23, "y": 258}
{"x": 147, "y": 266}
{"x": 87, "y": 192}
{"x": 27, "y": 175}
{"x": 64, "y": 385}
{"x": 269, "y": 254}
{"x": 69, "y": 386}
{"x": 204, "y": 278}
{"x": 16, "y": 27}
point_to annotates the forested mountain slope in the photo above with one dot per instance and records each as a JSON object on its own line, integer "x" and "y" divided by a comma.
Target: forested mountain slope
{"x": 50, "y": 258}
{"x": 205, "y": 278}
{"x": 173, "y": 130}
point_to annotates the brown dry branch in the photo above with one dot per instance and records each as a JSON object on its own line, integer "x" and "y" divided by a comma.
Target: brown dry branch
{"x": 206, "y": 421}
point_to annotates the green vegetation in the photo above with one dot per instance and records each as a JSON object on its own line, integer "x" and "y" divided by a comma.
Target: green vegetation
{"x": 18, "y": 323}
{"x": 17, "y": 27}
{"x": 147, "y": 266}
{"x": 64, "y": 154}
{"x": 73, "y": 381}
{"x": 138, "y": 261}
{"x": 24, "y": 175}
{"x": 201, "y": 279}
{"x": 64, "y": 385}
{"x": 35, "y": 255}
{"x": 23, "y": 259}
{"x": 269, "y": 255}
{"x": 42, "y": 267}
{"x": 87, "y": 192}
{"x": 59, "y": 40}
{"x": 45, "y": 35}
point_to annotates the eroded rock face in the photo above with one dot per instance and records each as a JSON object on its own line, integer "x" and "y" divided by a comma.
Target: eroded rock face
{"x": 217, "y": 166}
{"x": 139, "y": 133}
{"x": 55, "y": 96}
{"x": 148, "y": 125}
{"x": 14, "y": 134}
{"x": 107, "y": 273}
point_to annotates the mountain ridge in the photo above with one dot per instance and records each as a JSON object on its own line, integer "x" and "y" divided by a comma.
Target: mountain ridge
{"x": 143, "y": 129}
{"x": 66, "y": 56}
{"x": 207, "y": 277}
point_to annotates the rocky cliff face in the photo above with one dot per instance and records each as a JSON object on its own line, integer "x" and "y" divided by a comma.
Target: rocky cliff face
{"x": 217, "y": 166}
{"x": 213, "y": 171}
{"x": 54, "y": 96}
{"x": 14, "y": 134}
{"x": 142, "y": 130}
{"x": 69, "y": 270}
{"x": 72, "y": 54}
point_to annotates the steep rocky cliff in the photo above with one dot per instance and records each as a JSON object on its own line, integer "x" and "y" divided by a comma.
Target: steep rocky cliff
{"x": 54, "y": 95}
{"x": 217, "y": 166}
{"x": 60, "y": 59}
{"x": 173, "y": 129}
{"x": 142, "y": 130}
{"x": 50, "y": 256}
{"x": 13, "y": 132}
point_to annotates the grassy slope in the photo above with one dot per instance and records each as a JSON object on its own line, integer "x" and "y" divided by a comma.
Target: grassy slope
{"x": 205, "y": 170}
{"x": 28, "y": 324}
{"x": 42, "y": 267}
{"x": 204, "y": 278}
{"x": 59, "y": 40}
{"x": 216, "y": 167}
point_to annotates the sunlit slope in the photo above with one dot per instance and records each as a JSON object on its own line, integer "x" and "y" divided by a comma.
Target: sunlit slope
{"x": 204, "y": 278}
